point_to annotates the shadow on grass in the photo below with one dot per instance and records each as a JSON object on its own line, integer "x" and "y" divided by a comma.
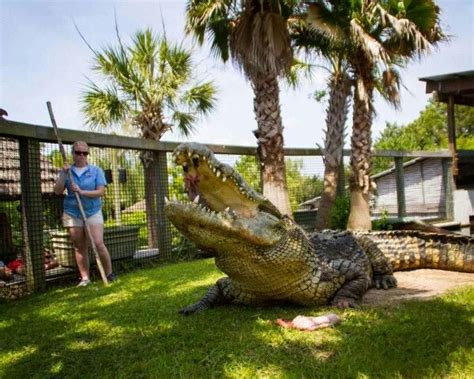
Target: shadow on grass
{"x": 132, "y": 329}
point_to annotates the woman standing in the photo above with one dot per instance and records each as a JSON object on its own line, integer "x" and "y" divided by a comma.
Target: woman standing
{"x": 89, "y": 183}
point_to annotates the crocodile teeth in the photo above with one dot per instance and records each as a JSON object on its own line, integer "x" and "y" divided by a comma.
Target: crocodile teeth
{"x": 224, "y": 178}
{"x": 196, "y": 200}
{"x": 218, "y": 173}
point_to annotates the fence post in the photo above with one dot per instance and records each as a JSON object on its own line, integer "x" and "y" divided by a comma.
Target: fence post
{"x": 400, "y": 182}
{"x": 164, "y": 226}
{"x": 32, "y": 213}
{"x": 448, "y": 187}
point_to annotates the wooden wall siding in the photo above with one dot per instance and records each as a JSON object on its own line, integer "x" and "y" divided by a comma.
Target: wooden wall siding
{"x": 424, "y": 192}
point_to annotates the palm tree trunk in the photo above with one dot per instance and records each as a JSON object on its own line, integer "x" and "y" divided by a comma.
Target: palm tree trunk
{"x": 361, "y": 143}
{"x": 270, "y": 142}
{"x": 152, "y": 127}
{"x": 334, "y": 144}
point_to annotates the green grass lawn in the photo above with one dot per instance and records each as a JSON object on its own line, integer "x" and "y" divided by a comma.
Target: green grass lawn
{"x": 132, "y": 330}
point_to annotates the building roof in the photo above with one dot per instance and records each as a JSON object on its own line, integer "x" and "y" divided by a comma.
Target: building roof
{"x": 459, "y": 85}
{"x": 392, "y": 169}
{"x": 10, "y": 187}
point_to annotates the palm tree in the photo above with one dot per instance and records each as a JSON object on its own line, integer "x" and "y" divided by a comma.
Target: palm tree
{"x": 339, "y": 84}
{"x": 150, "y": 86}
{"x": 255, "y": 34}
{"x": 382, "y": 34}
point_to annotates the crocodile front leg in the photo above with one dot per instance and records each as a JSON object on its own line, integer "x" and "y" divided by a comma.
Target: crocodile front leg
{"x": 381, "y": 267}
{"x": 350, "y": 294}
{"x": 220, "y": 293}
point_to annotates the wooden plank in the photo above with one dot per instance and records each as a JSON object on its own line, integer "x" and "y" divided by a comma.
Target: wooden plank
{"x": 452, "y": 136}
{"x": 400, "y": 183}
{"x": 455, "y": 85}
{"x": 459, "y": 99}
{"x": 448, "y": 188}
{"x": 32, "y": 214}
{"x": 164, "y": 225}
{"x": 46, "y": 134}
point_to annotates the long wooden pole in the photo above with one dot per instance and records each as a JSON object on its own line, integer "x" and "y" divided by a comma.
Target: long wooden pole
{"x": 78, "y": 198}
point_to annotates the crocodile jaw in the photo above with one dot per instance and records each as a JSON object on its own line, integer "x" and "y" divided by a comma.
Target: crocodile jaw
{"x": 218, "y": 185}
{"x": 225, "y": 211}
{"x": 223, "y": 231}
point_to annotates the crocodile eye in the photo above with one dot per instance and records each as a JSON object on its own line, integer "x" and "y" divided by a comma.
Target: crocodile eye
{"x": 196, "y": 162}
{"x": 185, "y": 167}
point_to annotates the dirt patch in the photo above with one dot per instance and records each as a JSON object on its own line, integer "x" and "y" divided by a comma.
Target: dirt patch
{"x": 419, "y": 284}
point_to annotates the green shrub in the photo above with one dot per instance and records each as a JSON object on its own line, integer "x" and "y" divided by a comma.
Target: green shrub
{"x": 339, "y": 213}
{"x": 382, "y": 222}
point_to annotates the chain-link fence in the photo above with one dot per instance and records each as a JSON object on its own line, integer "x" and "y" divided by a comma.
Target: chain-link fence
{"x": 37, "y": 249}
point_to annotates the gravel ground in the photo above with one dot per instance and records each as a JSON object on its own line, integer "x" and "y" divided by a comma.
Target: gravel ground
{"x": 419, "y": 284}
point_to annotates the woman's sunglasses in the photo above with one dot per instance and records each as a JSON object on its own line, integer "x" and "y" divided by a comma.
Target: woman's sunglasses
{"x": 85, "y": 153}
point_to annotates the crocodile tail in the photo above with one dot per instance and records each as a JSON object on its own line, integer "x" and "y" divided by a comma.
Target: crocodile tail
{"x": 410, "y": 249}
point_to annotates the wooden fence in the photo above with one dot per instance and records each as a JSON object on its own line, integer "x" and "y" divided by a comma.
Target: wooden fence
{"x": 30, "y": 137}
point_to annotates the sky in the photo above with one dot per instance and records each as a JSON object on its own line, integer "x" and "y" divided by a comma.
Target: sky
{"x": 42, "y": 58}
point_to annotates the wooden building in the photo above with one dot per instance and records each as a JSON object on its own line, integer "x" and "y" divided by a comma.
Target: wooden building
{"x": 425, "y": 192}
{"x": 428, "y": 193}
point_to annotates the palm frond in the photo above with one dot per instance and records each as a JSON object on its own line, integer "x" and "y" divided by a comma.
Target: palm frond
{"x": 184, "y": 122}
{"x": 323, "y": 21}
{"x": 388, "y": 86}
{"x": 201, "y": 98}
{"x": 219, "y": 35}
{"x": 373, "y": 50}
{"x": 180, "y": 63}
{"x": 298, "y": 72}
{"x": 211, "y": 18}
{"x": 404, "y": 29}
{"x": 260, "y": 44}
{"x": 143, "y": 53}
{"x": 103, "y": 107}
{"x": 312, "y": 40}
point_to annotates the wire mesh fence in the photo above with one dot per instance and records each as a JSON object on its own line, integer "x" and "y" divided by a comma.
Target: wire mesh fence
{"x": 36, "y": 248}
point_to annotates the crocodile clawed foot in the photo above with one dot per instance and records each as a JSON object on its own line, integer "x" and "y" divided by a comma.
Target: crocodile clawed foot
{"x": 345, "y": 302}
{"x": 190, "y": 309}
{"x": 385, "y": 281}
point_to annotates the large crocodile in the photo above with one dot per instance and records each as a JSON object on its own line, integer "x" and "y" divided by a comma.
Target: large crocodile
{"x": 270, "y": 259}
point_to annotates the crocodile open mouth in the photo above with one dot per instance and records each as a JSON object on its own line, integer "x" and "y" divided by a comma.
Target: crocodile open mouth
{"x": 216, "y": 185}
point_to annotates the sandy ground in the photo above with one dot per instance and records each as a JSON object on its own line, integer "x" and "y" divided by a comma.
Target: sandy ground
{"x": 419, "y": 284}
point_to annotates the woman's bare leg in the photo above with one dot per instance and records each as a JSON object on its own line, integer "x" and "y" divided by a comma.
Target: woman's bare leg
{"x": 97, "y": 232}
{"x": 79, "y": 241}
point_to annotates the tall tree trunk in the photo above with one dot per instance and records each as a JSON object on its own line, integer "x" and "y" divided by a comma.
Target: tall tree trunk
{"x": 269, "y": 135}
{"x": 150, "y": 121}
{"x": 334, "y": 144}
{"x": 361, "y": 143}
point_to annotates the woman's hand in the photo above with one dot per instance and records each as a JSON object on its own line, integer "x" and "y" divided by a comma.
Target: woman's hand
{"x": 66, "y": 167}
{"x": 76, "y": 188}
